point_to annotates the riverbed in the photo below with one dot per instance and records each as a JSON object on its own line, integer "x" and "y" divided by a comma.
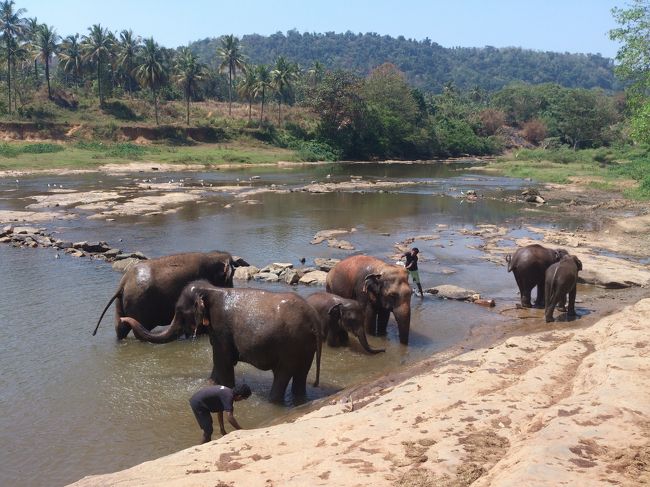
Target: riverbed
{"x": 74, "y": 404}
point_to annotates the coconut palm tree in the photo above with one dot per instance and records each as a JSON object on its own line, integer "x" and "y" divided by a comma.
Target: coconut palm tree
{"x": 232, "y": 58}
{"x": 31, "y": 28}
{"x": 97, "y": 47}
{"x": 283, "y": 76}
{"x": 70, "y": 57}
{"x": 316, "y": 73}
{"x": 150, "y": 70}
{"x": 127, "y": 52}
{"x": 188, "y": 71}
{"x": 12, "y": 26}
{"x": 246, "y": 88}
{"x": 263, "y": 84}
{"x": 47, "y": 42}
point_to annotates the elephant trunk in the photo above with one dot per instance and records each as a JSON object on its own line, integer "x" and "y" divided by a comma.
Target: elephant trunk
{"x": 403, "y": 317}
{"x": 363, "y": 340}
{"x": 163, "y": 334}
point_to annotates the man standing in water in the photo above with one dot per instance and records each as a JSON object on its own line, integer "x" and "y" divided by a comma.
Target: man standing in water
{"x": 217, "y": 399}
{"x": 412, "y": 267}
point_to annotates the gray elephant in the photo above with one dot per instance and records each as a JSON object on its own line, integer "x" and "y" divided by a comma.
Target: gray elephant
{"x": 269, "y": 330}
{"x": 562, "y": 279}
{"x": 338, "y": 317}
{"x": 380, "y": 289}
{"x": 529, "y": 264}
{"x": 149, "y": 289}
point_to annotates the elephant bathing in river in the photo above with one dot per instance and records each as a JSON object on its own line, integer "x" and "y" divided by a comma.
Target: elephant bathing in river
{"x": 269, "y": 330}
{"x": 149, "y": 289}
{"x": 338, "y": 317}
{"x": 380, "y": 289}
{"x": 529, "y": 265}
{"x": 562, "y": 279}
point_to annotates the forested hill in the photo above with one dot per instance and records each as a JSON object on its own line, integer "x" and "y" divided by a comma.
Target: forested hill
{"x": 426, "y": 64}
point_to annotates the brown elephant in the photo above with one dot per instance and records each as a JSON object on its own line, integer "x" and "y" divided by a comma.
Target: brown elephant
{"x": 269, "y": 330}
{"x": 562, "y": 279}
{"x": 338, "y": 317}
{"x": 529, "y": 264}
{"x": 149, "y": 289}
{"x": 379, "y": 288}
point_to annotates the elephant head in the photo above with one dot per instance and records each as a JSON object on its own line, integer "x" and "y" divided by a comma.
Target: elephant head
{"x": 349, "y": 315}
{"x": 578, "y": 262}
{"x": 559, "y": 253}
{"x": 390, "y": 291}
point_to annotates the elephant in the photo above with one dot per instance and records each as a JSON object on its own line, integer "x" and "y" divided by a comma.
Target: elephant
{"x": 529, "y": 264}
{"x": 269, "y": 330}
{"x": 379, "y": 288}
{"x": 562, "y": 279}
{"x": 338, "y": 317}
{"x": 149, "y": 289}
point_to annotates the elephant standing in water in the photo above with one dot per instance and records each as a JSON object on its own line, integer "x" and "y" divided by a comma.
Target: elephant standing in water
{"x": 529, "y": 264}
{"x": 149, "y": 289}
{"x": 338, "y": 317}
{"x": 562, "y": 279}
{"x": 379, "y": 288}
{"x": 269, "y": 330}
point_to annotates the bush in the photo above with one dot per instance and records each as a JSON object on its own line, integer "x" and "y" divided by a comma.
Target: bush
{"x": 491, "y": 121}
{"x": 14, "y": 150}
{"x": 534, "y": 131}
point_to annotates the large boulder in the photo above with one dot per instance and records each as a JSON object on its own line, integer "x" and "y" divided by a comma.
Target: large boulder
{"x": 314, "y": 278}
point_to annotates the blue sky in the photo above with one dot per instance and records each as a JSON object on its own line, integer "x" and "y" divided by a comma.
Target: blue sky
{"x": 547, "y": 25}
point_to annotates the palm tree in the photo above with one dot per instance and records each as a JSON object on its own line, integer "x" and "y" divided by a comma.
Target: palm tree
{"x": 233, "y": 59}
{"x": 188, "y": 71}
{"x": 70, "y": 57}
{"x": 246, "y": 88}
{"x": 150, "y": 71}
{"x": 128, "y": 48}
{"x": 31, "y": 29}
{"x": 263, "y": 83}
{"x": 47, "y": 42}
{"x": 97, "y": 47}
{"x": 316, "y": 73}
{"x": 282, "y": 77}
{"x": 12, "y": 25}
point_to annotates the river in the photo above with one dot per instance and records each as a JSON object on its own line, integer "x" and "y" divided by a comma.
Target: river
{"x": 73, "y": 404}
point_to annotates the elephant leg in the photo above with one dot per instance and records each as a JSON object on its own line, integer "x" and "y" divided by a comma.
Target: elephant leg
{"x": 382, "y": 321}
{"x": 539, "y": 302}
{"x": 550, "y": 306}
{"x": 121, "y": 329}
{"x": 524, "y": 291}
{"x": 370, "y": 321}
{"x": 343, "y": 338}
{"x": 281, "y": 380}
{"x": 561, "y": 304}
{"x": 223, "y": 368}
{"x": 300, "y": 372}
{"x": 572, "y": 302}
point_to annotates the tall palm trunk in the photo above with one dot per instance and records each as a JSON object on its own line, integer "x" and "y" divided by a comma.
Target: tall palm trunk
{"x": 230, "y": 91}
{"x": 279, "y": 111}
{"x": 262, "y": 111}
{"x": 155, "y": 104}
{"x": 9, "y": 77}
{"x": 187, "y": 99}
{"x": 250, "y": 108}
{"x": 99, "y": 83}
{"x": 47, "y": 77}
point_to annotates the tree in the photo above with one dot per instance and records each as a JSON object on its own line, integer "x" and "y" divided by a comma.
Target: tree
{"x": 150, "y": 71}
{"x": 634, "y": 62}
{"x": 232, "y": 58}
{"x": 31, "y": 29}
{"x": 246, "y": 88}
{"x": 283, "y": 76}
{"x": 71, "y": 59}
{"x": 263, "y": 84}
{"x": 12, "y": 26}
{"x": 127, "y": 52}
{"x": 47, "y": 42}
{"x": 188, "y": 72}
{"x": 97, "y": 47}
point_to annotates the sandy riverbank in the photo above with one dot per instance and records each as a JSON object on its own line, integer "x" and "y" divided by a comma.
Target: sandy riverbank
{"x": 566, "y": 406}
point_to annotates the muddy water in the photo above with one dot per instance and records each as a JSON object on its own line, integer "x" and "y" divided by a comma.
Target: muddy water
{"x": 73, "y": 404}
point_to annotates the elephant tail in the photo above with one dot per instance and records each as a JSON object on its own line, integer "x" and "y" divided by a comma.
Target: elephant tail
{"x": 509, "y": 261}
{"x": 319, "y": 349}
{"x": 115, "y": 296}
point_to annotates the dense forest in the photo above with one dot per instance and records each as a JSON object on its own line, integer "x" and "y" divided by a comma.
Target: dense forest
{"x": 427, "y": 65}
{"x": 330, "y": 96}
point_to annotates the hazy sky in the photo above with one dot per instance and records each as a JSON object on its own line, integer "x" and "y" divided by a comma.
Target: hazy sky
{"x": 547, "y": 25}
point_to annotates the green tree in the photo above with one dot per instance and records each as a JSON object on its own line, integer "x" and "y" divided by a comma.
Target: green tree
{"x": 283, "y": 76}
{"x": 127, "y": 52}
{"x": 188, "y": 71}
{"x": 634, "y": 62}
{"x": 150, "y": 71}
{"x": 31, "y": 29}
{"x": 247, "y": 86}
{"x": 263, "y": 85}
{"x": 71, "y": 58}
{"x": 12, "y": 26}
{"x": 232, "y": 58}
{"x": 97, "y": 47}
{"x": 47, "y": 41}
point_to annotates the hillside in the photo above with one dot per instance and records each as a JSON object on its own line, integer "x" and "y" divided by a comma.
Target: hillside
{"x": 427, "y": 65}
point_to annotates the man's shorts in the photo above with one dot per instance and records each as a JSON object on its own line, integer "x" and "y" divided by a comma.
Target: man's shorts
{"x": 415, "y": 276}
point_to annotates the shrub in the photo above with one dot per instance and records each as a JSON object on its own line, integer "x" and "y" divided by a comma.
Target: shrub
{"x": 534, "y": 131}
{"x": 491, "y": 121}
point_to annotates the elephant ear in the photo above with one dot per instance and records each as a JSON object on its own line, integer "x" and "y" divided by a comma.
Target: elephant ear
{"x": 559, "y": 253}
{"x": 578, "y": 262}
{"x": 372, "y": 286}
{"x": 335, "y": 311}
{"x": 201, "y": 315}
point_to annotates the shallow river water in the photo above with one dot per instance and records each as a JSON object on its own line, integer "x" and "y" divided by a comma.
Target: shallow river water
{"x": 73, "y": 404}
